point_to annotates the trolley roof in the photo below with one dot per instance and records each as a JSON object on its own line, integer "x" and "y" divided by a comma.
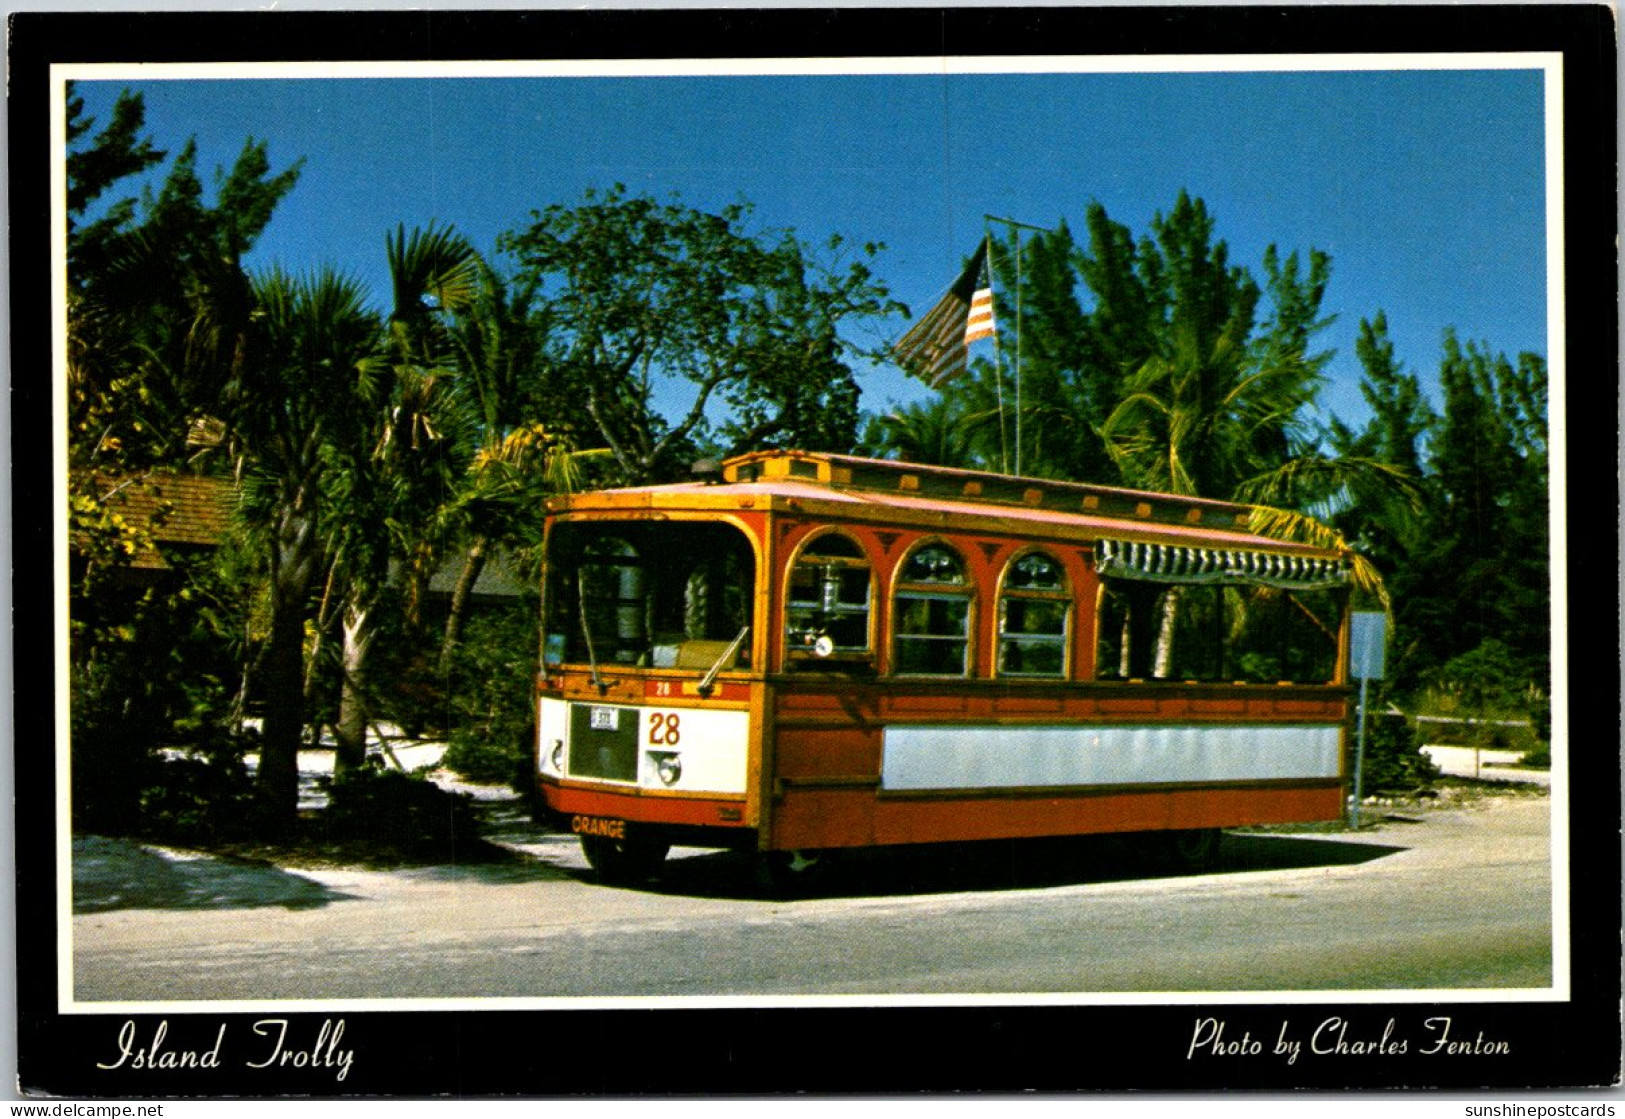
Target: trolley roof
{"x": 849, "y": 488}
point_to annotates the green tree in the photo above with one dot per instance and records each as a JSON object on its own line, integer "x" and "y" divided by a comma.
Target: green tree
{"x": 1467, "y": 557}
{"x": 1126, "y": 281}
{"x": 395, "y": 466}
{"x": 1061, "y": 395}
{"x": 504, "y": 494}
{"x": 1385, "y": 521}
{"x": 1219, "y": 407}
{"x": 652, "y": 302}
{"x": 158, "y": 317}
{"x": 117, "y": 152}
{"x": 1198, "y": 414}
{"x": 156, "y": 296}
{"x": 1484, "y": 569}
{"x": 504, "y": 382}
{"x": 1400, "y": 413}
{"x": 1184, "y": 374}
{"x": 1147, "y": 359}
{"x": 936, "y": 431}
{"x": 307, "y": 379}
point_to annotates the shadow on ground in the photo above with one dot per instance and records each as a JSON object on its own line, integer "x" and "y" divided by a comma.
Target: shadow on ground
{"x": 112, "y": 874}
{"x": 994, "y": 866}
{"x": 121, "y": 874}
{"x": 517, "y": 869}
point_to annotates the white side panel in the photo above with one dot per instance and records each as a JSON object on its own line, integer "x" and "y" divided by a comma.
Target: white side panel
{"x": 995, "y": 757}
{"x": 711, "y": 746}
{"x": 552, "y": 726}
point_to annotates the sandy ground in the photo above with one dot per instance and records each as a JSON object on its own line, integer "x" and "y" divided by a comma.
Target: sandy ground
{"x": 1486, "y": 765}
{"x": 113, "y": 873}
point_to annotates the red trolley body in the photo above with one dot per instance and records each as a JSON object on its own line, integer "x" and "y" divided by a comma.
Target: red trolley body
{"x": 820, "y": 652}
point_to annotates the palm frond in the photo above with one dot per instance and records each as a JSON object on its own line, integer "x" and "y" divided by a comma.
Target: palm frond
{"x": 432, "y": 264}
{"x": 1312, "y": 477}
{"x": 1300, "y": 528}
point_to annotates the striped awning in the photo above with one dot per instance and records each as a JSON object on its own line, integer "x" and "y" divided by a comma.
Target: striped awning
{"x": 1173, "y": 563}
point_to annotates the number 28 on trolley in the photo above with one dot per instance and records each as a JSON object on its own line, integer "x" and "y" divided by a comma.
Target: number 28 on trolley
{"x": 806, "y": 653}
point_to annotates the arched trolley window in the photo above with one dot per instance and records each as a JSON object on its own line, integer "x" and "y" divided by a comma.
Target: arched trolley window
{"x": 1035, "y": 615}
{"x": 931, "y": 614}
{"x": 827, "y": 612}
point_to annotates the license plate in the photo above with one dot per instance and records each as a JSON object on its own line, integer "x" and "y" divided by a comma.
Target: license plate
{"x": 605, "y": 718}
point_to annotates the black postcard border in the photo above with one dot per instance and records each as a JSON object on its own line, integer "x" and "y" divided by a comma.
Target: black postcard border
{"x": 766, "y": 1052}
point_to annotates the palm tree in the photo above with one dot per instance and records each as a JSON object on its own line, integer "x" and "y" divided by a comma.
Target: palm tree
{"x": 505, "y": 493}
{"x": 497, "y": 342}
{"x": 1200, "y": 417}
{"x": 398, "y": 464}
{"x": 1217, "y": 421}
{"x": 939, "y": 432}
{"x": 305, "y": 380}
{"x": 434, "y": 276}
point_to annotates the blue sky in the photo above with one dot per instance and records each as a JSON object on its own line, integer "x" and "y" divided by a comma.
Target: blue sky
{"x": 1426, "y": 187}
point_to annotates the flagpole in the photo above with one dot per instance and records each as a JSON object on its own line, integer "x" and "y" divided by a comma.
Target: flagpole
{"x": 937, "y": 347}
{"x": 1018, "y": 355}
{"x": 1036, "y": 229}
{"x": 998, "y": 363}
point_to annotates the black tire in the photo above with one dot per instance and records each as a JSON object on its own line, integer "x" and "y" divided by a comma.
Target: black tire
{"x": 624, "y": 861}
{"x": 1197, "y": 849}
{"x": 790, "y": 873}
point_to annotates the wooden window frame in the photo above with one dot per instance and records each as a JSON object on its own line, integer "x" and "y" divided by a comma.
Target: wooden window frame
{"x": 1062, "y": 595}
{"x": 965, "y": 590}
{"x": 843, "y": 655}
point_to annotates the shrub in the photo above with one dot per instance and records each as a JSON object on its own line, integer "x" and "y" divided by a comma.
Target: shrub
{"x": 492, "y": 696}
{"x": 107, "y": 759}
{"x": 397, "y": 813}
{"x": 195, "y": 800}
{"x": 123, "y": 786}
{"x": 1538, "y": 758}
{"x": 153, "y": 663}
{"x": 1394, "y": 761}
{"x": 1483, "y": 691}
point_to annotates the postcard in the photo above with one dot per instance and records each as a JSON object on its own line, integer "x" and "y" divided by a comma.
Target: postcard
{"x": 634, "y": 552}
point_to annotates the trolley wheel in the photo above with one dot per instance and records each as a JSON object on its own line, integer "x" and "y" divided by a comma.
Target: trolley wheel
{"x": 624, "y": 861}
{"x": 1197, "y": 849}
{"x": 789, "y": 873}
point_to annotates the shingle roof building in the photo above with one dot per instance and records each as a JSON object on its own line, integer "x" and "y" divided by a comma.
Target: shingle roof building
{"x": 194, "y": 511}
{"x": 190, "y": 510}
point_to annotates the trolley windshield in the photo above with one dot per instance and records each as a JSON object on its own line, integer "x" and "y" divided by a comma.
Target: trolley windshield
{"x": 650, "y": 594}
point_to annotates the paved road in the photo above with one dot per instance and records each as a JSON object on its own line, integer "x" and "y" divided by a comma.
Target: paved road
{"x": 1458, "y": 898}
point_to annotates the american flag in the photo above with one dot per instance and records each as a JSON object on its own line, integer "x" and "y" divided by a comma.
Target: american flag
{"x": 934, "y": 348}
{"x": 979, "y": 324}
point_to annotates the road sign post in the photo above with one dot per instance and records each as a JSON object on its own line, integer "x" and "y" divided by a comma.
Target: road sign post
{"x": 1367, "y": 638}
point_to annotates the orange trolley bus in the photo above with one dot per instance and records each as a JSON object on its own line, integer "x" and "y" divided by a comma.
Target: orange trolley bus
{"x": 810, "y": 652}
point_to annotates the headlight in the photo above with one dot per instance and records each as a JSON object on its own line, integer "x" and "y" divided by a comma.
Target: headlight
{"x": 668, "y": 767}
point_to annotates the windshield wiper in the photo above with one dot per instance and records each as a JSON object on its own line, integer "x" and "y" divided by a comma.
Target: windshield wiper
{"x": 710, "y": 677}
{"x": 586, "y": 631}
